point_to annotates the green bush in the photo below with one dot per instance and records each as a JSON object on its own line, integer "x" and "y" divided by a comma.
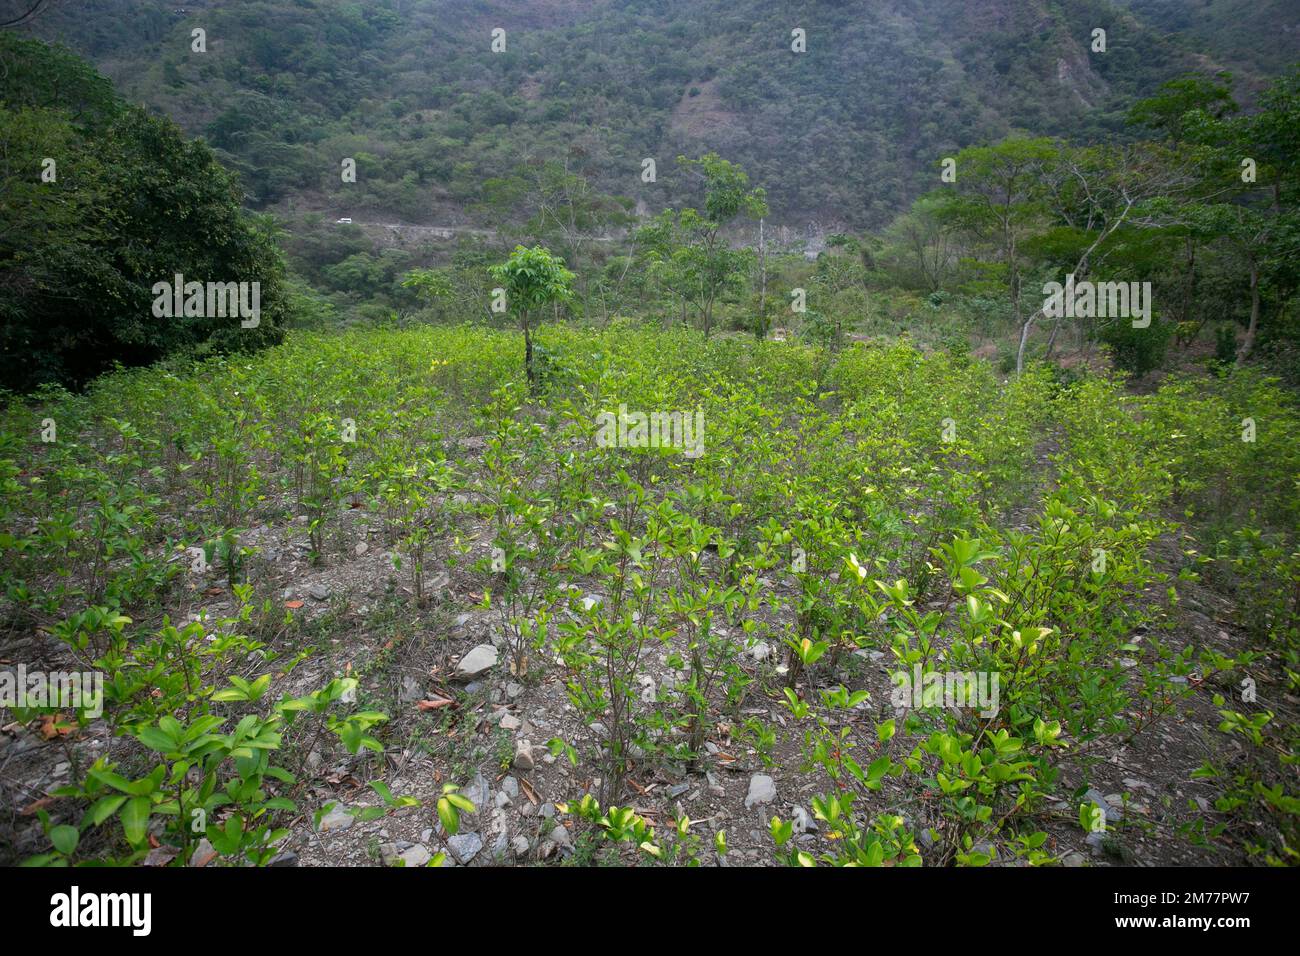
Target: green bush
{"x": 131, "y": 204}
{"x": 1138, "y": 351}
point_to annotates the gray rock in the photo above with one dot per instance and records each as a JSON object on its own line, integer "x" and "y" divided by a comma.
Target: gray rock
{"x": 510, "y": 786}
{"x": 337, "y": 819}
{"x": 1113, "y": 814}
{"x": 513, "y": 690}
{"x": 761, "y": 651}
{"x": 479, "y": 659}
{"x": 520, "y": 845}
{"x": 416, "y": 856}
{"x": 524, "y": 755}
{"x": 647, "y": 688}
{"x": 320, "y": 592}
{"x": 410, "y": 690}
{"x": 465, "y": 846}
{"x": 762, "y": 789}
{"x": 477, "y": 790}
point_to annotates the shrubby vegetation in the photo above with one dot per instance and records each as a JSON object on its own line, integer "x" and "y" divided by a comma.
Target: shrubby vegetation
{"x": 906, "y": 457}
{"x": 975, "y": 553}
{"x": 132, "y": 203}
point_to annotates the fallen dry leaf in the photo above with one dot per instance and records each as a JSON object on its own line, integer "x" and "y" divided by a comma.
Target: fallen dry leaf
{"x": 294, "y": 605}
{"x": 434, "y": 703}
{"x": 53, "y": 725}
{"x": 35, "y": 805}
{"x": 160, "y": 856}
{"x": 529, "y": 792}
{"x": 202, "y": 859}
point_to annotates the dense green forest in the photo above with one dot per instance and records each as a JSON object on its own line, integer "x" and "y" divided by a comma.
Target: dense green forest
{"x": 841, "y": 134}
{"x": 559, "y": 433}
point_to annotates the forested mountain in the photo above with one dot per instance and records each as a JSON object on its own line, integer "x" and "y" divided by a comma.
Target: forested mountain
{"x": 840, "y": 135}
{"x": 1248, "y": 34}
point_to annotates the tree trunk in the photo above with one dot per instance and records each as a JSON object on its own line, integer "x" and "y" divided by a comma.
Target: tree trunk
{"x": 528, "y": 355}
{"x": 762, "y": 289}
{"x": 1248, "y": 342}
{"x": 1024, "y": 339}
{"x": 1051, "y": 339}
{"x": 1189, "y": 287}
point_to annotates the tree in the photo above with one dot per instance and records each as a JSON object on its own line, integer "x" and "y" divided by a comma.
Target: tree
{"x": 532, "y": 279}
{"x": 1000, "y": 201}
{"x": 1174, "y": 104}
{"x": 920, "y": 251}
{"x": 131, "y": 204}
{"x": 1245, "y": 202}
{"x": 431, "y": 286}
{"x": 1180, "y": 107}
{"x": 554, "y": 204}
{"x": 689, "y": 248}
{"x": 1038, "y": 204}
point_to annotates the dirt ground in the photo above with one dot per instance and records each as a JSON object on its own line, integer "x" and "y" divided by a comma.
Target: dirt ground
{"x": 357, "y": 612}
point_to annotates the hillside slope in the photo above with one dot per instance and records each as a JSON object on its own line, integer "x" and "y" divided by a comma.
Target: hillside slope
{"x": 840, "y": 134}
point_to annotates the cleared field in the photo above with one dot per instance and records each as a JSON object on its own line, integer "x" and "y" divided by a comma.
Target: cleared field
{"x": 897, "y": 609}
